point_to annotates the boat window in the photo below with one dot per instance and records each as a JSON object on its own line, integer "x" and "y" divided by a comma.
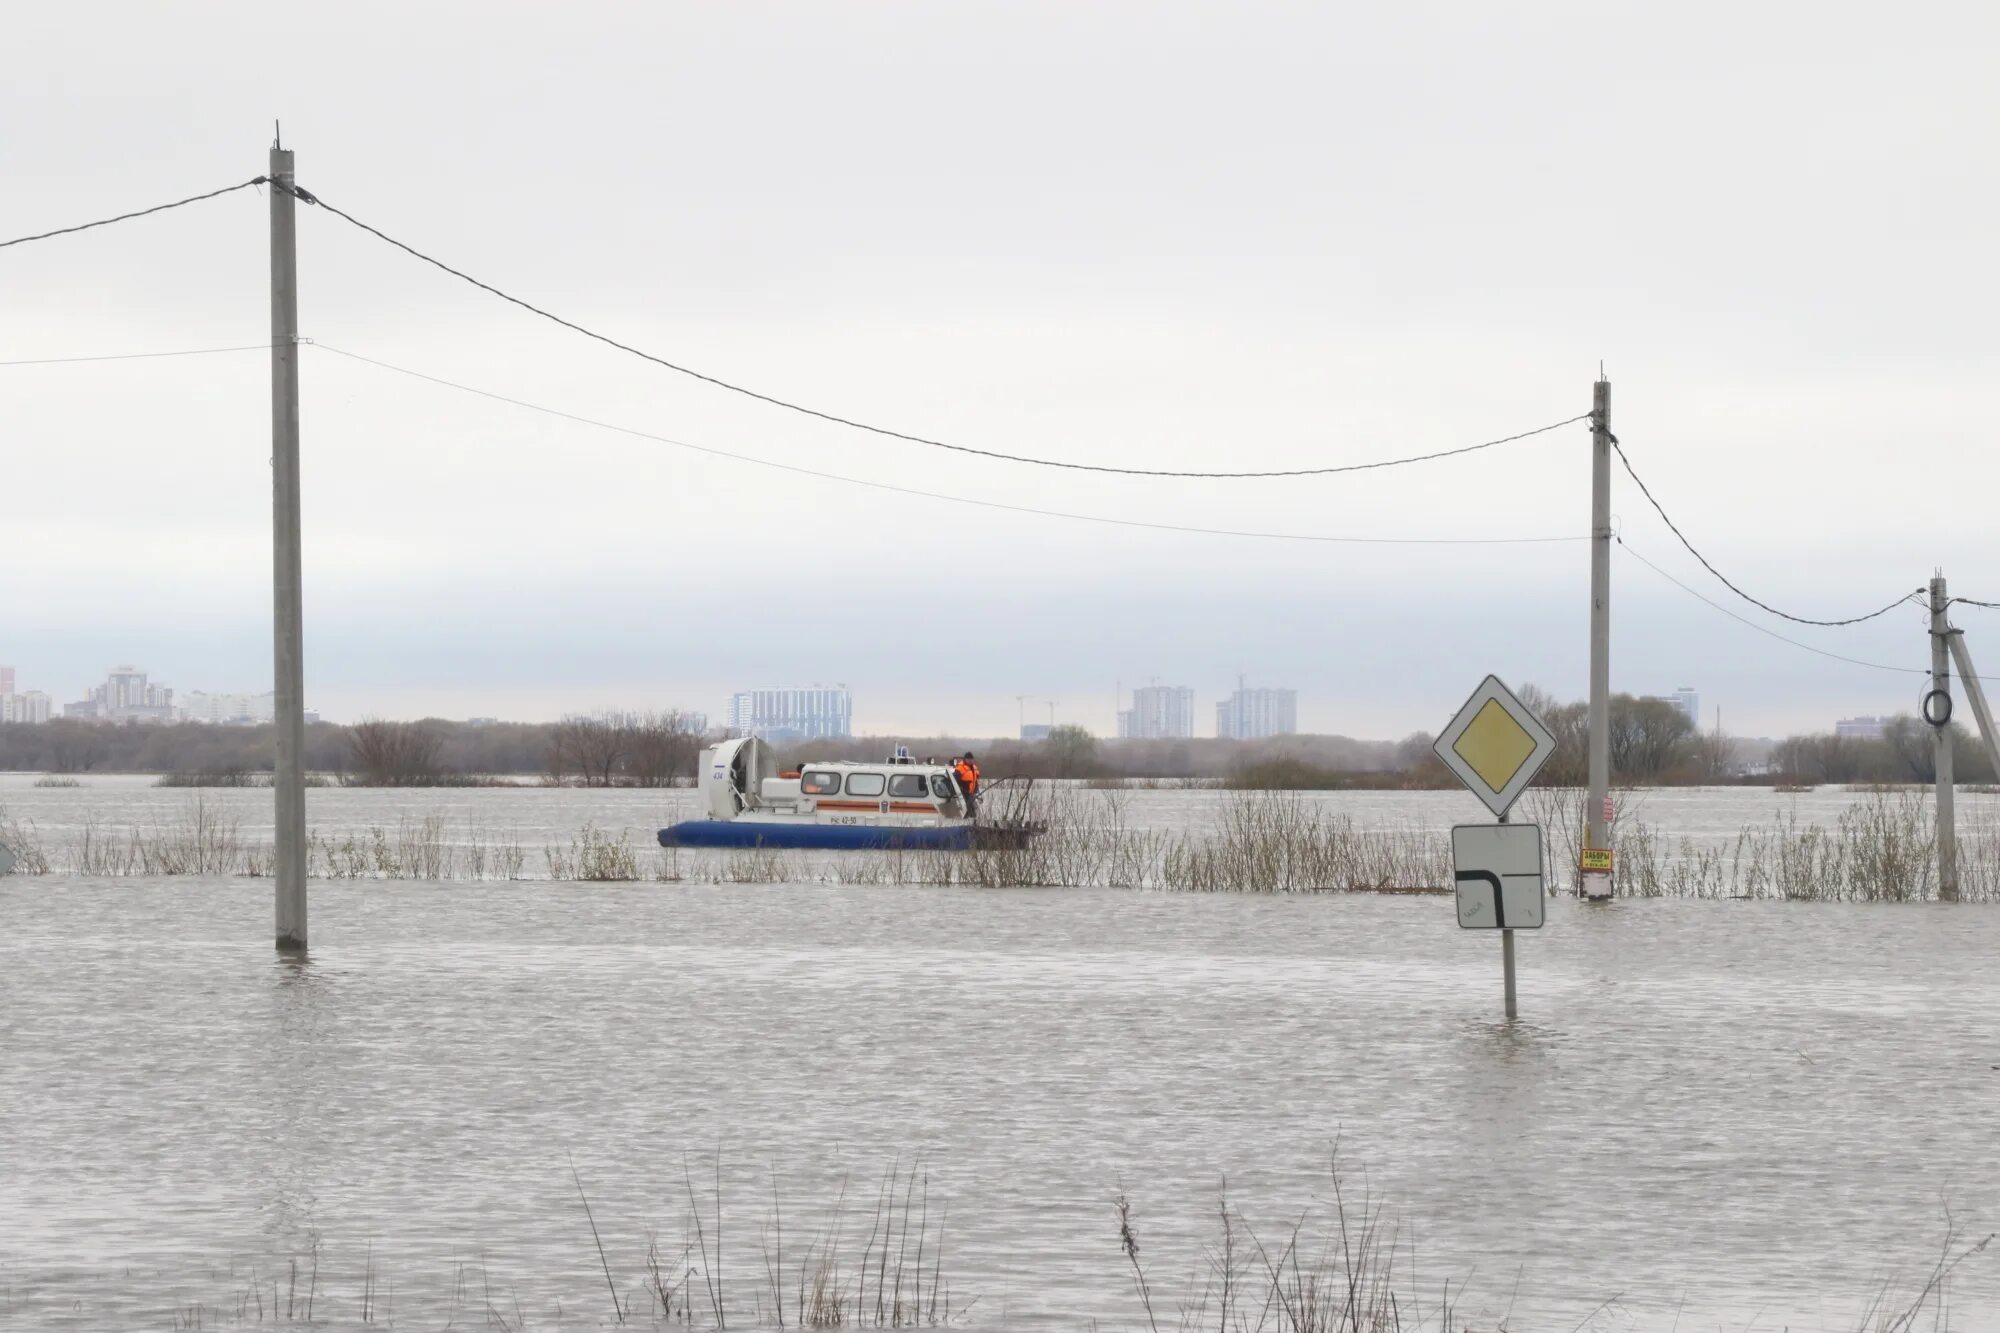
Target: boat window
{"x": 909, "y": 785}
{"x": 941, "y": 787}
{"x": 865, "y": 784}
{"x": 820, "y": 783}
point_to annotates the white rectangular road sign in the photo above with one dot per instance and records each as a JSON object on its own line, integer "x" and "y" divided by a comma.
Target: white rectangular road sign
{"x": 1495, "y": 745}
{"x": 1498, "y": 869}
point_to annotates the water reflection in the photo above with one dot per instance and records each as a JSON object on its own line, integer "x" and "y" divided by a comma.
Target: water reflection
{"x": 181, "y": 1103}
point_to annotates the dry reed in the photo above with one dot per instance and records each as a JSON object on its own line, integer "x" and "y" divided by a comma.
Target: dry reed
{"x": 1880, "y": 849}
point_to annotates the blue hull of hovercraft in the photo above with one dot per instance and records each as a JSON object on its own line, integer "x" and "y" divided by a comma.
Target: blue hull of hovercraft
{"x": 825, "y": 837}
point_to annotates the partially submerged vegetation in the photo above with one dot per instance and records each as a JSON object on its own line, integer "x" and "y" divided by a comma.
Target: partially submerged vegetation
{"x": 1880, "y": 849}
{"x": 877, "y": 1258}
{"x": 1352, "y": 1268}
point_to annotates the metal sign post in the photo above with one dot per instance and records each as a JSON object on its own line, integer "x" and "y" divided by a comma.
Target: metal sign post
{"x": 1496, "y": 746}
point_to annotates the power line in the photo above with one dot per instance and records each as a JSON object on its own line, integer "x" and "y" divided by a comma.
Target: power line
{"x": 1918, "y": 599}
{"x": 938, "y": 495}
{"x": 310, "y": 198}
{"x": 124, "y": 217}
{"x": 1675, "y": 529}
{"x": 136, "y": 356}
{"x": 1765, "y": 629}
{"x": 1974, "y": 601}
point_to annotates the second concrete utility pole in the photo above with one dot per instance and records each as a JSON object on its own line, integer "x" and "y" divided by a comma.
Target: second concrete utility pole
{"x": 287, "y": 623}
{"x": 1597, "y": 831}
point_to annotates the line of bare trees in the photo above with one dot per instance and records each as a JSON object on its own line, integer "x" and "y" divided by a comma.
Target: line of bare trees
{"x": 625, "y": 749}
{"x": 1905, "y": 752}
{"x": 1652, "y": 742}
{"x": 607, "y": 749}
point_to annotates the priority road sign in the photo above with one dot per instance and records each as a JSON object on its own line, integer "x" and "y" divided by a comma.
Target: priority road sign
{"x": 1495, "y": 745}
{"x": 1498, "y": 869}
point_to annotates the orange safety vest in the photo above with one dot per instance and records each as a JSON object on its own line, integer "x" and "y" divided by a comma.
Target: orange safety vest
{"x": 968, "y": 776}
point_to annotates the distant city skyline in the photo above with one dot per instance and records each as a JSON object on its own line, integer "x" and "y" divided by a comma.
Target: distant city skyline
{"x": 129, "y": 694}
{"x": 143, "y": 698}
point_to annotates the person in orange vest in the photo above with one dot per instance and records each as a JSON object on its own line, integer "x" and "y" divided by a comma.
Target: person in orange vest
{"x": 968, "y": 778}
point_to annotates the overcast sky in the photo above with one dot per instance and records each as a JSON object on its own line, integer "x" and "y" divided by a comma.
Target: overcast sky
{"x": 1145, "y": 234}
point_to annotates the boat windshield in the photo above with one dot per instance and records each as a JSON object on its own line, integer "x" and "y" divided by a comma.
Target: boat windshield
{"x": 819, "y": 782}
{"x": 906, "y": 786}
{"x": 941, "y": 787}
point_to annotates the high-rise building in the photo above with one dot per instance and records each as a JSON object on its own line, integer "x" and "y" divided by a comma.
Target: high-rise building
{"x": 1158, "y": 712}
{"x": 1249, "y": 715}
{"x": 1684, "y": 699}
{"x": 125, "y": 696}
{"x": 790, "y": 715}
{"x": 1862, "y": 728}
{"x": 6, "y": 680}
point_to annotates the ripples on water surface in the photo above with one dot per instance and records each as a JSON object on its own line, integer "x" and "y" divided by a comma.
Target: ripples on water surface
{"x": 1755, "y": 1109}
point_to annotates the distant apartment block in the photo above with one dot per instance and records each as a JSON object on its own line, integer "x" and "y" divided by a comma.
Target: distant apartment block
{"x": 242, "y": 710}
{"x": 125, "y": 696}
{"x": 1158, "y": 712}
{"x": 1035, "y": 731}
{"x": 1684, "y": 699}
{"x": 31, "y": 707}
{"x": 1249, "y": 715}
{"x": 6, "y": 680}
{"x": 792, "y": 715}
{"x": 1862, "y": 728}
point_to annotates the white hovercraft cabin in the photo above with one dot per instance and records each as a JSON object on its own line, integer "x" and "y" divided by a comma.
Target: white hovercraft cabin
{"x": 749, "y": 803}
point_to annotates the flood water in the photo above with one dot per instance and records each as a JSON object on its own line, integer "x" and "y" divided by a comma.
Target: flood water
{"x": 1711, "y": 1114}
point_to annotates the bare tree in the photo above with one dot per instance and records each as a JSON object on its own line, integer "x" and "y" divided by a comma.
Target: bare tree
{"x": 662, "y": 749}
{"x": 74, "y": 747}
{"x": 591, "y": 745}
{"x": 1909, "y": 742}
{"x": 1647, "y": 735}
{"x": 1072, "y": 751}
{"x": 395, "y": 754}
{"x": 1712, "y": 755}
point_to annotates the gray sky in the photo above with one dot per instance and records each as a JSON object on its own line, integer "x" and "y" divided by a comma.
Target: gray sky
{"x": 1164, "y": 235}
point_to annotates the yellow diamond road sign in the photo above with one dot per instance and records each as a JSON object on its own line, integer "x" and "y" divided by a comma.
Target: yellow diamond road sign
{"x": 1495, "y": 745}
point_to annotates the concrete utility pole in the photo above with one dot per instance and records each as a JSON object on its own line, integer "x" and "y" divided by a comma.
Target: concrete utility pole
{"x": 1597, "y": 833}
{"x": 287, "y": 623}
{"x": 1937, "y": 712}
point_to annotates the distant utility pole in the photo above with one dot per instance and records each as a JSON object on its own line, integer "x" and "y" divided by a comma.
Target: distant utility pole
{"x": 1597, "y": 833}
{"x": 287, "y": 624}
{"x": 1937, "y": 712}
